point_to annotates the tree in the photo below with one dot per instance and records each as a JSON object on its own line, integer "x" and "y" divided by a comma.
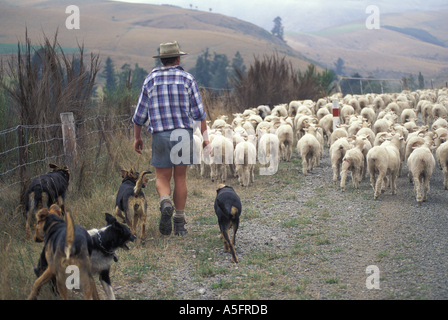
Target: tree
{"x": 421, "y": 81}
{"x": 339, "y": 66}
{"x": 219, "y": 70}
{"x": 202, "y": 70}
{"x": 109, "y": 74}
{"x": 411, "y": 82}
{"x": 238, "y": 62}
{"x": 138, "y": 77}
{"x": 278, "y": 28}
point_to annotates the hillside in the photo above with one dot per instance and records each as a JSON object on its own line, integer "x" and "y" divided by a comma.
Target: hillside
{"x": 384, "y": 52}
{"x": 131, "y": 33}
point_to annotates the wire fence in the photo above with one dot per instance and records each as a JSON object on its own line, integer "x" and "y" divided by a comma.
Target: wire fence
{"x": 26, "y": 151}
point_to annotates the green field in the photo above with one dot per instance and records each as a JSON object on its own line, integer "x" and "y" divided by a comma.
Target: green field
{"x": 11, "y": 48}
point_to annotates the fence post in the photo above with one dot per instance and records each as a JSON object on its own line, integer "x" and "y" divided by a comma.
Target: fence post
{"x": 335, "y": 114}
{"x": 69, "y": 138}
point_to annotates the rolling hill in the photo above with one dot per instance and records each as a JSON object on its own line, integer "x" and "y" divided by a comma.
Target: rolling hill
{"x": 388, "y": 52}
{"x": 131, "y": 33}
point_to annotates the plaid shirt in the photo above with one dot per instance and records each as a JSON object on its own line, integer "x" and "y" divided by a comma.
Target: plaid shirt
{"x": 170, "y": 100}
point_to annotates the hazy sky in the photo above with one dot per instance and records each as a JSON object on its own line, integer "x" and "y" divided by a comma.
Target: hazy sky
{"x": 301, "y": 15}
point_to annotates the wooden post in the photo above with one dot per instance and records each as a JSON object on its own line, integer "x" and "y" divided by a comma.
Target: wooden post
{"x": 104, "y": 137}
{"x": 69, "y": 138}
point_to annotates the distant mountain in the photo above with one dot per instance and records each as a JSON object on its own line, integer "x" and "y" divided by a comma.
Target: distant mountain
{"x": 420, "y": 34}
{"x": 405, "y": 43}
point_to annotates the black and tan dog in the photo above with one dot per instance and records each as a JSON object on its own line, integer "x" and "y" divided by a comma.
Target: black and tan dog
{"x": 105, "y": 242}
{"x": 66, "y": 244}
{"x": 45, "y": 190}
{"x": 131, "y": 204}
{"x": 228, "y": 211}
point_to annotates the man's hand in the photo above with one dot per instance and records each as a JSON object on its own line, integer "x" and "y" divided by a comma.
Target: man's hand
{"x": 207, "y": 147}
{"x": 138, "y": 145}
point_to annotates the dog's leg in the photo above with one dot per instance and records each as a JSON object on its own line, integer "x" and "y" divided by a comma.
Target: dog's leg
{"x": 119, "y": 214}
{"x": 28, "y": 220}
{"x": 107, "y": 286}
{"x": 232, "y": 243}
{"x": 143, "y": 218}
{"x": 43, "y": 279}
{"x": 87, "y": 281}
{"x": 225, "y": 226}
{"x": 95, "y": 294}
{"x": 62, "y": 287}
{"x": 61, "y": 205}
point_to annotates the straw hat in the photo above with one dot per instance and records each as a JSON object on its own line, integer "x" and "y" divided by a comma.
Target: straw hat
{"x": 170, "y": 50}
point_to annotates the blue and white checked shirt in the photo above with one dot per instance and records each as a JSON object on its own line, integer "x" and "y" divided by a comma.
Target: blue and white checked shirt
{"x": 170, "y": 100}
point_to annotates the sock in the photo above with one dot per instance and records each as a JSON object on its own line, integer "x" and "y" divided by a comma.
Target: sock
{"x": 180, "y": 214}
{"x": 164, "y": 198}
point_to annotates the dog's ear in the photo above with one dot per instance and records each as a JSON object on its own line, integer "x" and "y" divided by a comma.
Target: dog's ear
{"x": 123, "y": 173}
{"x": 42, "y": 215}
{"x": 110, "y": 219}
{"x": 56, "y": 210}
{"x": 54, "y": 167}
{"x": 220, "y": 186}
{"x": 133, "y": 174}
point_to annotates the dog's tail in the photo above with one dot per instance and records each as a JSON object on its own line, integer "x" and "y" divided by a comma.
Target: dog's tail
{"x": 70, "y": 235}
{"x": 228, "y": 209}
{"x": 139, "y": 184}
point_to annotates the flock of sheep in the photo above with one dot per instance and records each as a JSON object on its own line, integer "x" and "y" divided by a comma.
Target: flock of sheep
{"x": 378, "y": 134}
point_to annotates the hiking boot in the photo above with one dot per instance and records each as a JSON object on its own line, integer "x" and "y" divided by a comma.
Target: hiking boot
{"x": 166, "y": 212}
{"x": 179, "y": 226}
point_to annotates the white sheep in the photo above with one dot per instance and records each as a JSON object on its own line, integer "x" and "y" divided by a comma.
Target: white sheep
{"x": 339, "y": 132}
{"x": 286, "y": 139}
{"x": 268, "y": 146}
{"x": 384, "y": 160}
{"x": 245, "y": 160}
{"x": 280, "y": 110}
{"x": 442, "y": 160}
{"x": 264, "y": 111}
{"x": 337, "y": 153}
{"x": 421, "y": 164}
{"x": 353, "y": 161}
{"x": 293, "y": 107}
{"x": 408, "y": 115}
{"x": 222, "y": 155}
{"x": 309, "y": 149}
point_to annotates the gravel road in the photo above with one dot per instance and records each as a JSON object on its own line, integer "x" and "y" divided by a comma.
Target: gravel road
{"x": 334, "y": 237}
